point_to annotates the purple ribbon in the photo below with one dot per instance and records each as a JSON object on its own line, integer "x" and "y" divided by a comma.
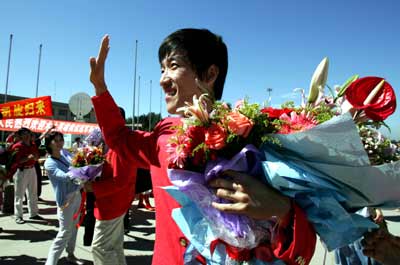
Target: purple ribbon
{"x": 194, "y": 185}
{"x": 86, "y": 173}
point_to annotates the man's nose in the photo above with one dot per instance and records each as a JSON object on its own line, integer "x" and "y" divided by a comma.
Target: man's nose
{"x": 164, "y": 79}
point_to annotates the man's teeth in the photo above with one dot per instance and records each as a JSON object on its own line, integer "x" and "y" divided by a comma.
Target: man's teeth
{"x": 172, "y": 92}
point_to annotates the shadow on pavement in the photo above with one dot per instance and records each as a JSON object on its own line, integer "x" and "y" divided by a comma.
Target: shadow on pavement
{"x": 28, "y": 260}
{"x": 139, "y": 244}
{"x": 141, "y": 217}
{"x": 146, "y": 231}
{"x": 393, "y": 218}
{"x": 63, "y": 261}
{"x": 20, "y": 260}
{"x": 50, "y": 203}
{"x": 28, "y": 235}
{"x": 145, "y": 260}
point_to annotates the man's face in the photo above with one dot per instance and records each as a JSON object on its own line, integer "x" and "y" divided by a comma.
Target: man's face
{"x": 178, "y": 81}
{"x": 26, "y": 137}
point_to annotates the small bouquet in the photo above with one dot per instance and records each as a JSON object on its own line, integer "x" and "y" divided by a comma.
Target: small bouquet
{"x": 87, "y": 164}
{"x": 326, "y": 154}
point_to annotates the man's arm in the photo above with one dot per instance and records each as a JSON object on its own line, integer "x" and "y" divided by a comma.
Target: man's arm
{"x": 97, "y": 67}
{"x": 46, "y": 132}
{"x": 130, "y": 145}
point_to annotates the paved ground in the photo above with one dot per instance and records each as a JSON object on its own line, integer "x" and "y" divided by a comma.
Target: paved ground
{"x": 28, "y": 244}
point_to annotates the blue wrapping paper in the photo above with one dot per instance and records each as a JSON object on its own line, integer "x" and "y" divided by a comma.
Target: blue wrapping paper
{"x": 327, "y": 171}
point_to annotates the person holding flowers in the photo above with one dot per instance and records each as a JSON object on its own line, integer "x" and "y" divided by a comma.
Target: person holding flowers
{"x": 114, "y": 192}
{"x": 194, "y": 62}
{"x": 68, "y": 199}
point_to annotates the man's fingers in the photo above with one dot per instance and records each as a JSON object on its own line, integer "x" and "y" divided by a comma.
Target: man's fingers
{"x": 92, "y": 62}
{"x": 234, "y": 196}
{"x": 235, "y": 175}
{"x": 228, "y": 207}
{"x": 103, "y": 49}
{"x": 226, "y": 184}
{"x": 369, "y": 252}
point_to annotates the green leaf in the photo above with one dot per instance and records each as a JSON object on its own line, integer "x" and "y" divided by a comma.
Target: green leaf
{"x": 346, "y": 85}
{"x": 331, "y": 90}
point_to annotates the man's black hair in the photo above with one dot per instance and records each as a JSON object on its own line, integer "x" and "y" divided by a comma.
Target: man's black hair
{"x": 23, "y": 130}
{"x": 122, "y": 111}
{"x": 202, "y": 48}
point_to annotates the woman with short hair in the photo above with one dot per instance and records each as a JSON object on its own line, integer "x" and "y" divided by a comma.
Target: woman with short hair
{"x": 68, "y": 199}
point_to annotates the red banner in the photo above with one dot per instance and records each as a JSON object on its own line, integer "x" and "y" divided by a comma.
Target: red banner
{"x": 41, "y": 125}
{"x": 27, "y": 108}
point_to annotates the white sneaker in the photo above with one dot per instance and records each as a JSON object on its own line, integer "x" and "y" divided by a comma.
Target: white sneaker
{"x": 74, "y": 260}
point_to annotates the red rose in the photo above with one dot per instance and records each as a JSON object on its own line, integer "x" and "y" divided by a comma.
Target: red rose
{"x": 196, "y": 134}
{"x": 215, "y": 136}
{"x": 275, "y": 113}
{"x": 199, "y": 157}
{"x": 381, "y": 106}
{"x": 239, "y": 124}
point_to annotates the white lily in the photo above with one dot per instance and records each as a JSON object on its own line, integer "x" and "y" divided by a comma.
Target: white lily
{"x": 197, "y": 110}
{"x": 318, "y": 80}
{"x": 303, "y": 96}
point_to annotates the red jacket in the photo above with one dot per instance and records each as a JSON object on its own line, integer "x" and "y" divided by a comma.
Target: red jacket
{"x": 115, "y": 189}
{"x": 22, "y": 151}
{"x": 296, "y": 240}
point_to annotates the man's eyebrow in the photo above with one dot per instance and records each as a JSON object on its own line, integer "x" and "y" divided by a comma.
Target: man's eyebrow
{"x": 175, "y": 56}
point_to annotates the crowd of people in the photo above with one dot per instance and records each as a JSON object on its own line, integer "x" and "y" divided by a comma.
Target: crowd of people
{"x": 193, "y": 62}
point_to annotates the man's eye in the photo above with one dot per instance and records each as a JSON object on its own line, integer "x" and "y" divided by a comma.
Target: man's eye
{"x": 174, "y": 65}
{"x": 162, "y": 71}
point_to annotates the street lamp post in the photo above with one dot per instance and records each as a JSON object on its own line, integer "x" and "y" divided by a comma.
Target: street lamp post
{"x": 134, "y": 88}
{"x": 269, "y": 90}
{"x": 150, "y": 107}
{"x": 8, "y": 68}
{"x": 38, "y": 70}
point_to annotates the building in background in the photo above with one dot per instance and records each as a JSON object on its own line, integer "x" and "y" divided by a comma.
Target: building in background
{"x": 60, "y": 110}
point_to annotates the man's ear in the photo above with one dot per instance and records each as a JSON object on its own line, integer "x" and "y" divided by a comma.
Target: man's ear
{"x": 211, "y": 75}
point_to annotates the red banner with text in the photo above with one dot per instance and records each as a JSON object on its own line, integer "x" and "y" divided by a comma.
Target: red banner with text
{"x": 27, "y": 108}
{"x": 41, "y": 125}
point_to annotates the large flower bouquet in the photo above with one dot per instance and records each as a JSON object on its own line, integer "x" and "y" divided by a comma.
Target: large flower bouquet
{"x": 87, "y": 164}
{"x": 327, "y": 154}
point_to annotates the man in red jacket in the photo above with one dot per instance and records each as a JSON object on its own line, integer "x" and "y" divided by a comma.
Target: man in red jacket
{"x": 114, "y": 192}
{"x": 25, "y": 154}
{"x": 193, "y": 62}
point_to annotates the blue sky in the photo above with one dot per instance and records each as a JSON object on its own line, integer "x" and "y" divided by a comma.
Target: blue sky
{"x": 273, "y": 44}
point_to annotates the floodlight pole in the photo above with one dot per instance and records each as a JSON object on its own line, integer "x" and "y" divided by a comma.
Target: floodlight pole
{"x": 134, "y": 88}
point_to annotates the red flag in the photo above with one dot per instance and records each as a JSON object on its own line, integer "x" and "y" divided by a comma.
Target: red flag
{"x": 27, "y": 108}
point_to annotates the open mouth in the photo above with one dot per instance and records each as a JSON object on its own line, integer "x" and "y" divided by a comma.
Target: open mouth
{"x": 170, "y": 92}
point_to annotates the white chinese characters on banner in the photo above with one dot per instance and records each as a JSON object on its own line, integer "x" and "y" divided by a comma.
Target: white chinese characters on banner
{"x": 41, "y": 125}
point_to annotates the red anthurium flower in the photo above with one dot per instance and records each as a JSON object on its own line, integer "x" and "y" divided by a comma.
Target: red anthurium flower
{"x": 382, "y": 105}
{"x": 275, "y": 113}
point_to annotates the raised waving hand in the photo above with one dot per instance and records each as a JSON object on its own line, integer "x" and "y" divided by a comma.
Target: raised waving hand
{"x": 97, "y": 67}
